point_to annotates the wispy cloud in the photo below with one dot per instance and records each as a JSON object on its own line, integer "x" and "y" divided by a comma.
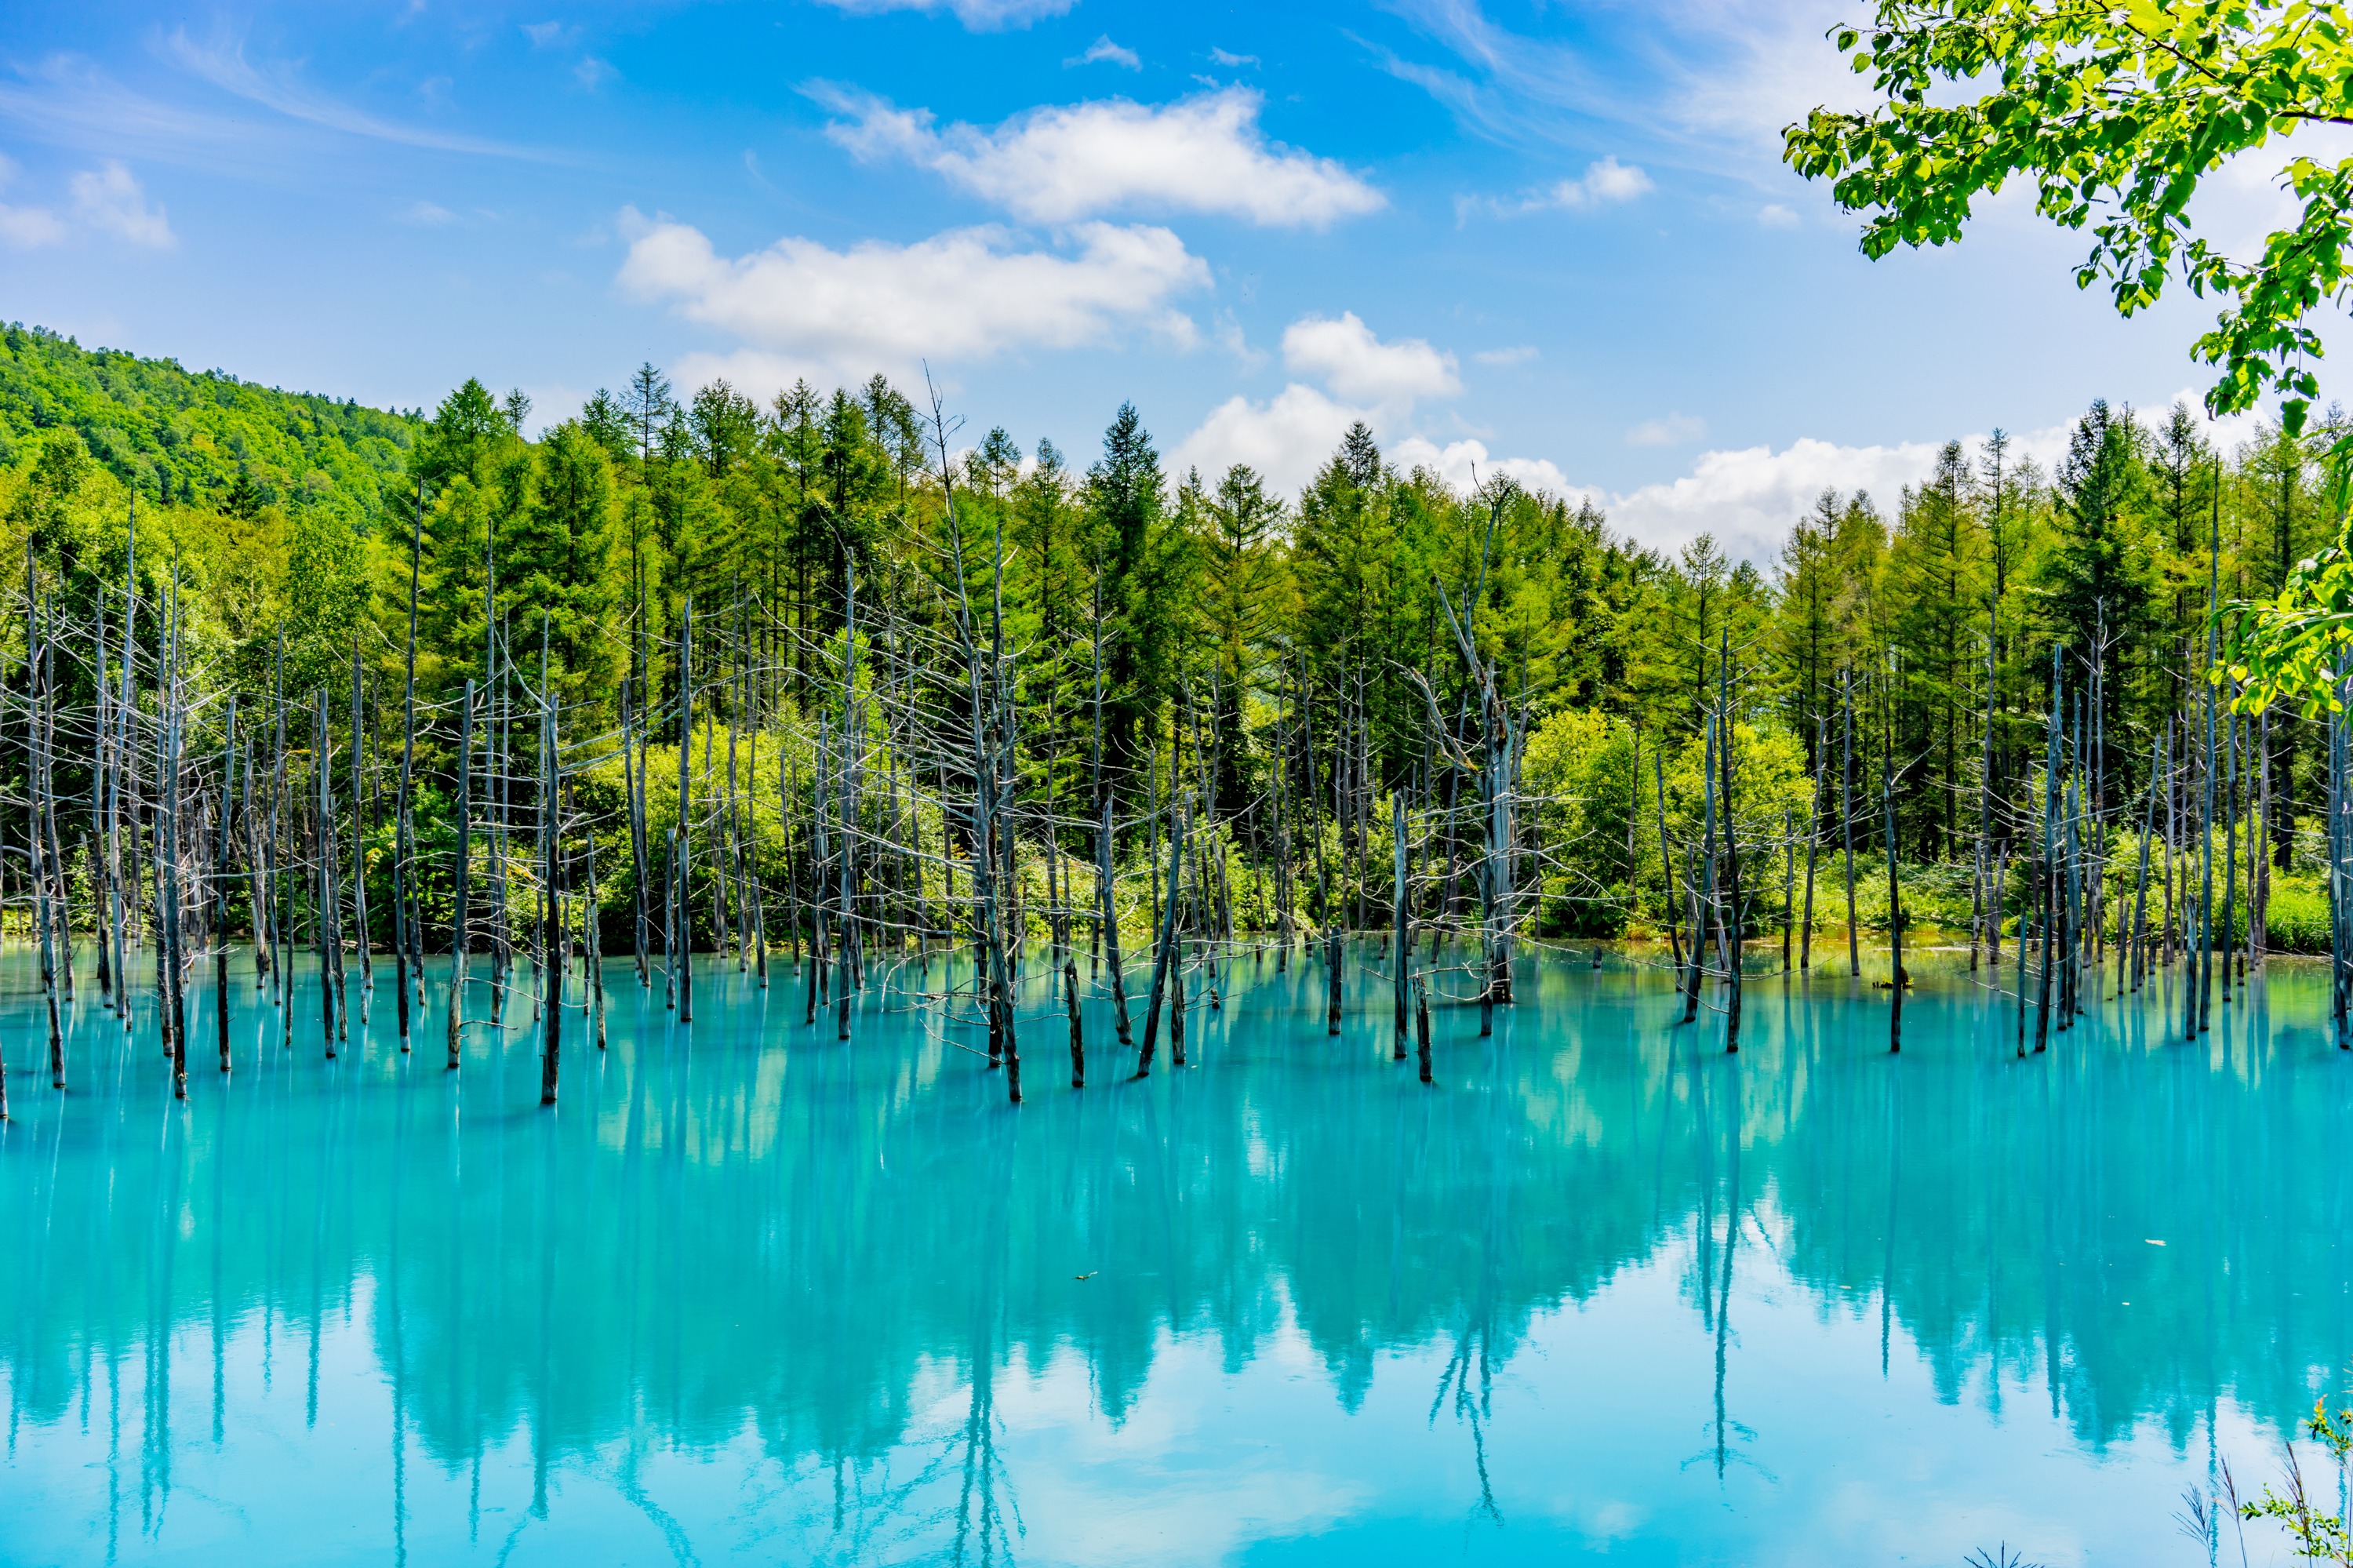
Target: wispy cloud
{"x": 29, "y": 227}
{"x": 1231, "y": 61}
{"x": 1205, "y": 153}
{"x": 1750, "y": 67}
{"x": 1607, "y": 183}
{"x": 66, "y": 99}
{"x": 1703, "y": 83}
{"x": 1601, "y": 183}
{"x": 1102, "y": 51}
{"x": 277, "y": 88}
{"x": 110, "y": 200}
{"x": 1518, "y": 353}
{"x": 977, "y": 16}
{"x": 1516, "y": 89}
{"x": 1674, "y": 430}
{"x": 26, "y": 228}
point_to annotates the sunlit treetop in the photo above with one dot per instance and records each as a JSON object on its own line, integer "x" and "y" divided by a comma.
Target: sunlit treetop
{"x": 2116, "y": 112}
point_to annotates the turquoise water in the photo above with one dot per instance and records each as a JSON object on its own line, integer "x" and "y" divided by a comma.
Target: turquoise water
{"x": 747, "y": 1293}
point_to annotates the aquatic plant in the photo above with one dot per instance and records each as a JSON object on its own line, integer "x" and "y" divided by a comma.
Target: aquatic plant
{"x": 2319, "y": 1535}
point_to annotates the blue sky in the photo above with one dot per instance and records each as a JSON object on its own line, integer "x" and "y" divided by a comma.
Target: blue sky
{"x": 1552, "y": 238}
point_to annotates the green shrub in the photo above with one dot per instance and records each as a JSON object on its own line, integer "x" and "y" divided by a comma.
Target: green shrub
{"x": 2299, "y": 921}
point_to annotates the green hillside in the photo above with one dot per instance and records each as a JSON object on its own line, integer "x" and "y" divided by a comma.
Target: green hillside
{"x": 201, "y": 439}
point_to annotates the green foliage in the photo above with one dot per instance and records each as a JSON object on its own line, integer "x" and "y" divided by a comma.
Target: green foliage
{"x": 2116, "y": 114}
{"x": 1230, "y": 621}
{"x": 1143, "y": 572}
{"x": 2319, "y": 1535}
{"x": 2291, "y": 648}
{"x": 1582, "y": 766}
{"x": 559, "y": 572}
{"x": 2297, "y": 920}
{"x": 197, "y": 441}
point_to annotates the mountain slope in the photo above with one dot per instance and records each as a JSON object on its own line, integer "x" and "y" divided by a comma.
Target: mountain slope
{"x": 198, "y": 438}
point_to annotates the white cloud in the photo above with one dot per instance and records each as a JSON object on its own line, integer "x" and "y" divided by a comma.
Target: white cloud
{"x": 108, "y": 198}
{"x": 1231, "y": 61}
{"x": 1286, "y": 439}
{"x": 1357, "y": 365}
{"x": 977, "y": 16}
{"x": 1518, "y": 353}
{"x": 1603, "y": 183}
{"x": 29, "y": 227}
{"x": 1056, "y": 163}
{"x": 1102, "y": 50}
{"x": 1226, "y": 333}
{"x": 26, "y": 228}
{"x": 1675, "y": 430}
{"x": 1289, "y": 436}
{"x": 963, "y": 295}
{"x": 430, "y": 214}
{"x": 1773, "y": 215}
{"x": 1759, "y": 65}
{"x": 593, "y": 73}
{"x": 548, "y": 35}
{"x": 1465, "y": 464}
{"x": 1747, "y": 498}
{"x": 756, "y": 373}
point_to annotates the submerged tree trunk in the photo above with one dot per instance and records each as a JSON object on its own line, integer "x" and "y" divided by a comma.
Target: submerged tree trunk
{"x": 1895, "y": 912}
{"x": 1846, "y": 805}
{"x": 1402, "y": 936}
{"x": 682, "y": 846}
{"x": 551, "y": 906}
{"x": 1164, "y": 951}
{"x": 1106, "y": 892}
{"x": 220, "y": 888}
{"x": 463, "y": 877}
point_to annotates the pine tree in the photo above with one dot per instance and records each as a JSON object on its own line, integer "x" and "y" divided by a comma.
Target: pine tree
{"x": 2096, "y": 577}
{"x": 1936, "y": 569}
{"x": 1127, "y": 505}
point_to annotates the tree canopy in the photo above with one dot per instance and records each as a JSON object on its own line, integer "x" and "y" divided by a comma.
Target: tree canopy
{"x": 2118, "y": 113}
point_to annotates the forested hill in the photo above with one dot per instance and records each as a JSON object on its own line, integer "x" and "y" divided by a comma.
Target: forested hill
{"x": 200, "y": 440}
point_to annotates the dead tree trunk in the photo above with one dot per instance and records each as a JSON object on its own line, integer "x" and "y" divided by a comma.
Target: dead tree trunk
{"x": 552, "y": 905}
{"x": 1106, "y": 894}
{"x": 461, "y": 928}
{"x": 682, "y": 845}
{"x": 1401, "y": 937}
{"x": 220, "y": 887}
{"x": 1164, "y": 950}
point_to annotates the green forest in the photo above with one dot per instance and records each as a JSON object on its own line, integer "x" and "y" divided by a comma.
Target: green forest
{"x": 1289, "y": 668}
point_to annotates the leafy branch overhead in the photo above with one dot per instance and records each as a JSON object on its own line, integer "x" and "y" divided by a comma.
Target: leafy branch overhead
{"x": 2117, "y": 112}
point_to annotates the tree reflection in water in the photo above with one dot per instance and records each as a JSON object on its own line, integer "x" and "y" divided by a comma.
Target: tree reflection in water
{"x": 751, "y": 1289}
